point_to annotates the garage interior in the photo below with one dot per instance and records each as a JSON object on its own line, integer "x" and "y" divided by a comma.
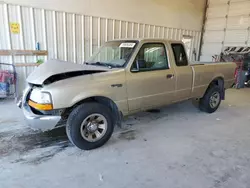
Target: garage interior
{"x": 175, "y": 146}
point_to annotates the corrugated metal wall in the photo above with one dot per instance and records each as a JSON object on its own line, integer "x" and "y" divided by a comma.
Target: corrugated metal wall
{"x": 71, "y": 37}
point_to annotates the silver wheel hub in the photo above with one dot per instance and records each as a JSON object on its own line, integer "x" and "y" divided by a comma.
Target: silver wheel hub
{"x": 214, "y": 99}
{"x": 93, "y": 127}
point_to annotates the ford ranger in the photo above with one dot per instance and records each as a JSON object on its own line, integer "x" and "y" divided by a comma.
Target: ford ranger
{"x": 123, "y": 77}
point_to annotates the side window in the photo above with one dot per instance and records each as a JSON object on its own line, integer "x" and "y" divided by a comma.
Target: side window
{"x": 179, "y": 55}
{"x": 152, "y": 56}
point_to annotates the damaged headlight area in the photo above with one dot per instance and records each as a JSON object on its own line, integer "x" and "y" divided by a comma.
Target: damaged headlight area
{"x": 40, "y": 100}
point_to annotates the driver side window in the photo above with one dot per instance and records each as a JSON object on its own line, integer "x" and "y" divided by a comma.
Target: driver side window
{"x": 152, "y": 56}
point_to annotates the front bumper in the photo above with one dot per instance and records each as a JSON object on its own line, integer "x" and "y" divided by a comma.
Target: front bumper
{"x": 37, "y": 122}
{"x": 41, "y": 122}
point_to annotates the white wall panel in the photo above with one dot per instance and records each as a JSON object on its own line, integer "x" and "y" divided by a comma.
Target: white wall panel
{"x": 86, "y": 37}
{"x": 50, "y": 34}
{"x": 236, "y": 36}
{"x": 103, "y": 32}
{"x": 216, "y": 2}
{"x": 239, "y": 8}
{"x": 61, "y": 26}
{"x": 123, "y": 29}
{"x": 4, "y": 44}
{"x": 238, "y": 22}
{"x": 117, "y": 29}
{"x": 79, "y": 38}
{"x": 166, "y": 33}
{"x": 71, "y": 40}
{"x": 147, "y": 30}
{"x": 216, "y": 11}
{"x": 141, "y": 30}
{"x": 213, "y": 36}
{"x": 39, "y": 32}
{"x": 212, "y": 48}
{"x": 13, "y": 17}
{"x": 215, "y": 24}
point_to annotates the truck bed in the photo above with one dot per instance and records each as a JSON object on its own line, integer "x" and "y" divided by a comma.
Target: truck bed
{"x": 203, "y": 71}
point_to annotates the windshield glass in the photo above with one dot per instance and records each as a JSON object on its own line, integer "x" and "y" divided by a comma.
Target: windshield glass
{"x": 113, "y": 54}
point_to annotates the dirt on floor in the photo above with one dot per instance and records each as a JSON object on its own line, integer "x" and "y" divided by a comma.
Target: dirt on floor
{"x": 176, "y": 146}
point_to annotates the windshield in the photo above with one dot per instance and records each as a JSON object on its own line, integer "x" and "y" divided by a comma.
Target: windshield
{"x": 113, "y": 54}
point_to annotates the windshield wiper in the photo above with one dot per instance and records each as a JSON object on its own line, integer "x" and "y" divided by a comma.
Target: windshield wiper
{"x": 101, "y": 64}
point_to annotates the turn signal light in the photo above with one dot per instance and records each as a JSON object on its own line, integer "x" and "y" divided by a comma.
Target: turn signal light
{"x": 40, "y": 106}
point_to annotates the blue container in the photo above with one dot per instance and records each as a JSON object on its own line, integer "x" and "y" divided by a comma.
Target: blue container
{"x": 4, "y": 89}
{"x": 37, "y": 46}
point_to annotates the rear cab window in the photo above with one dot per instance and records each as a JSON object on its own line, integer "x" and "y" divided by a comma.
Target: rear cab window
{"x": 179, "y": 54}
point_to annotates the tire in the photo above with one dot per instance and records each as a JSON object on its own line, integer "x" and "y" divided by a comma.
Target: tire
{"x": 77, "y": 131}
{"x": 205, "y": 102}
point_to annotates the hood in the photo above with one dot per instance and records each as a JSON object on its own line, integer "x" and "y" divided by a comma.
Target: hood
{"x": 57, "y": 67}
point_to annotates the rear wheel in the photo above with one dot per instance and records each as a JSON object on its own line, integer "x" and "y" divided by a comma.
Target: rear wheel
{"x": 90, "y": 126}
{"x": 211, "y": 100}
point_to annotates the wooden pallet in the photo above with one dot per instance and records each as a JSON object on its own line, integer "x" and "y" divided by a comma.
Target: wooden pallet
{"x": 26, "y": 64}
{"x": 23, "y": 52}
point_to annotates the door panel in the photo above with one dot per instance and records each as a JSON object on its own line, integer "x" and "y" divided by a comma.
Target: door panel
{"x": 184, "y": 73}
{"x": 150, "y": 89}
{"x": 183, "y": 83}
{"x": 150, "y": 83}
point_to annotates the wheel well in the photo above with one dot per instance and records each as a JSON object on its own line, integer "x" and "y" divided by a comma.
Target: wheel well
{"x": 117, "y": 115}
{"x": 218, "y": 82}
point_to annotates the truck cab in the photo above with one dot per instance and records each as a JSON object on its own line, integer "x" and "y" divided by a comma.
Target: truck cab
{"x": 158, "y": 63}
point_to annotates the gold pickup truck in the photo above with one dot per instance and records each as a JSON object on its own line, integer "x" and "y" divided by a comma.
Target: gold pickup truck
{"x": 123, "y": 77}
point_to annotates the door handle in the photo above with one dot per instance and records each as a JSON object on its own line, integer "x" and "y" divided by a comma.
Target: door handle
{"x": 170, "y": 76}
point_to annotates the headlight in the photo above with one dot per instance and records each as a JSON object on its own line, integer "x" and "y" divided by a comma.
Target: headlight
{"x": 40, "y": 100}
{"x": 40, "y": 97}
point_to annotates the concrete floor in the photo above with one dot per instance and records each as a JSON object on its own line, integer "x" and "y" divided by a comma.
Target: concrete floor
{"x": 176, "y": 147}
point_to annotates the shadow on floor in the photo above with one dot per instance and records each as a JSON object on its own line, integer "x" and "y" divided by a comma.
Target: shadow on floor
{"x": 30, "y": 140}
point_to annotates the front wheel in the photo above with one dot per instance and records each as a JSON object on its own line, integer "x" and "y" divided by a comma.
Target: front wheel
{"x": 211, "y": 100}
{"x": 90, "y": 125}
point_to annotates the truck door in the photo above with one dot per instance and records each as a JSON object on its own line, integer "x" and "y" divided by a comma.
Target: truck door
{"x": 184, "y": 73}
{"x": 150, "y": 80}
